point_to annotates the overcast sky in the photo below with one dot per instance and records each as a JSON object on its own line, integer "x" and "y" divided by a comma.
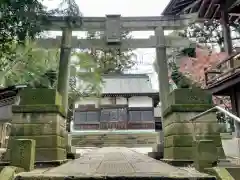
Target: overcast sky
{"x": 125, "y": 8}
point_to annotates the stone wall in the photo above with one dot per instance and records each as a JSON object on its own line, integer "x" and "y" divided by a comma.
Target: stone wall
{"x": 47, "y": 129}
{"x": 137, "y": 139}
{"x": 180, "y": 133}
{"x": 40, "y": 117}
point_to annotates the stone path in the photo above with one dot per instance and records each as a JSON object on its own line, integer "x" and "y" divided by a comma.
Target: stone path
{"x": 113, "y": 162}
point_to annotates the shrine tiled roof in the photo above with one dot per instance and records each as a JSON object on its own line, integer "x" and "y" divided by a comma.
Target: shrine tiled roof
{"x": 127, "y": 84}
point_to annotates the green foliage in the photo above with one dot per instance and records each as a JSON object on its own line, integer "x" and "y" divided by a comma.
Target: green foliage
{"x": 191, "y": 52}
{"x": 112, "y": 59}
{"x": 27, "y": 64}
{"x": 179, "y": 79}
{"x": 67, "y": 8}
{"x": 88, "y": 75}
{"x": 210, "y": 33}
{"x": 18, "y": 20}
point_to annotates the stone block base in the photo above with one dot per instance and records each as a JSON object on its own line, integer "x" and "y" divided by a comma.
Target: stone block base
{"x": 156, "y": 155}
{"x": 45, "y": 141}
{"x": 178, "y": 153}
{"x": 187, "y": 140}
{"x": 47, "y": 129}
{"x": 205, "y": 155}
{"x": 158, "y": 148}
{"x": 181, "y": 153}
{"x": 179, "y": 134}
{"x": 51, "y": 127}
{"x": 50, "y": 154}
{"x": 178, "y": 162}
{"x": 45, "y": 155}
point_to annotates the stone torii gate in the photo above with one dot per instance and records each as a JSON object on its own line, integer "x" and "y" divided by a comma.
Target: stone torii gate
{"x": 113, "y": 25}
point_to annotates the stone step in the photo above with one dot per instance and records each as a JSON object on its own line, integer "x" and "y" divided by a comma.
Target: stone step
{"x": 114, "y": 163}
{"x": 115, "y": 145}
{"x": 123, "y": 139}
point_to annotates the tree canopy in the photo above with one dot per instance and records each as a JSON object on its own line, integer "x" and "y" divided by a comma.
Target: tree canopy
{"x": 209, "y": 33}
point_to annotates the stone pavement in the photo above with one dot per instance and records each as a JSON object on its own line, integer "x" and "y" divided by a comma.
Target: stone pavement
{"x": 114, "y": 162}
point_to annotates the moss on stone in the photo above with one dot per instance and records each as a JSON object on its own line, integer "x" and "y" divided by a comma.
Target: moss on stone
{"x": 43, "y": 141}
{"x": 8, "y": 172}
{"x": 36, "y": 129}
{"x": 41, "y": 108}
{"x": 189, "y": 96}
{"x": 40, "y": 96}
{"x": 221, "y": 153}
{"x": 45, "y": 155}
{"x": 190, "y": 128}
{"x": 186, "y": 108}
{"x": 184, "y": 117}
{"x": 178, "y": 153}
{"x": 204, "y": 154}
{"x": 22, "y": 153}
{"x": 220, "y": 172}
{"x": 187, "y": 140}
{"x": 50, "y": 154}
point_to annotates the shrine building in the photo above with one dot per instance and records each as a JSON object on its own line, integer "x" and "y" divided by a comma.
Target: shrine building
{"x": 127, "y": 102}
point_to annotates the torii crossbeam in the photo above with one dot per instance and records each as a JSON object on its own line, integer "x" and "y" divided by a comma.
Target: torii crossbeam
{"x": 144, "y": 23}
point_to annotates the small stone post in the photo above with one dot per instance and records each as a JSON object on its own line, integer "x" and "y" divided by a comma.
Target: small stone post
{"x": 22, "y": 154}
{"x": 205, "y": 155}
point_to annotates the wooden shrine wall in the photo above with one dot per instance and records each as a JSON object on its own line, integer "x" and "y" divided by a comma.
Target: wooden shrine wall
{"x": 118, "y": 117}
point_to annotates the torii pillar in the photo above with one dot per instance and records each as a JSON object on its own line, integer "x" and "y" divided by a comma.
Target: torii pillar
{"x": 163, "y": 80}
{"x": 64, "y": 67}
{"x": 162, "y": 66}
{"x": 178, "y": 134}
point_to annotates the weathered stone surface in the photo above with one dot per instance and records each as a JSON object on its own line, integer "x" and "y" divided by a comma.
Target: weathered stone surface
{"x": 49, "y": 131}
{"x": 38, "y": 109}
{"x": 178, "y": 153}
{"x": 179, "y": 132}
{"x": 43, "y": 141}
{"x": 225, "y": 172}
{"x": 8, "y": 172}
{"x": 221, "y": 153}
{"x": 187, "y": 140}
{"x": 22, "y": 154}
{"x": 220, "y": 172}
{"x": 38, "y": 118}
{"x": 189, "y": 96}
{"x": 156, "y": 155}
{"x": 186, "y": 108}
{"x": 50, "y": 154}
{"x": 40, "y": 96}
{"x": 204, "y": 154}
{"x": 116, "y": 163}
{"x": 31, "y": 129}
{"x": 111, "y": 139}
{"x": 45, "y": 155}
{"x": 157, "y": 151}
{"x": 181, "y": 117}
{"x": 189, "y": 128}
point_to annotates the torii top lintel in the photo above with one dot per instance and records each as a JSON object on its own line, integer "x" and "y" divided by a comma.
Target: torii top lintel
{"x": 143, "y": 23}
